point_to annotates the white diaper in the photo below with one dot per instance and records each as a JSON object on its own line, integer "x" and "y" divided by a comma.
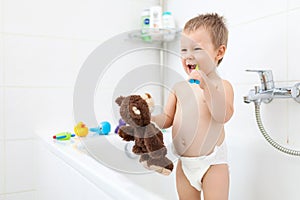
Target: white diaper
{"x": 194, "y": 168}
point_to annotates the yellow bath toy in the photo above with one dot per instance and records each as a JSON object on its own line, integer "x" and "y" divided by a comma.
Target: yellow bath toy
{"x": 81, "y": 130}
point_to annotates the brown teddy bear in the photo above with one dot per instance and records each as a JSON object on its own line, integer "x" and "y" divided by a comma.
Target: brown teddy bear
{"x": 149, "y": 144}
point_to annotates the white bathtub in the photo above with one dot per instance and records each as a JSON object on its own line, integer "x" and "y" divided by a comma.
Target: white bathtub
{"x": 66, "y": 171}
{"x": 257, "y": 171}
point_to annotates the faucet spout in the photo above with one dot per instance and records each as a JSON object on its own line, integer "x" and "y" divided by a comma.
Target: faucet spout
{"x": 266, "y": 78}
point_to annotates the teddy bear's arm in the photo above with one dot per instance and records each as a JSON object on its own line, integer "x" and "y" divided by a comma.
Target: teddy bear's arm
{"x": 154, "y": 142}
{"x": 126, "y": 132}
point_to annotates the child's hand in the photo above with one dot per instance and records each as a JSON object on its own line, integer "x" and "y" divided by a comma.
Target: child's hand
{"x": 205, "y": 67}
{"x": 205, "y": 63}
{"x": 204, "y": 79}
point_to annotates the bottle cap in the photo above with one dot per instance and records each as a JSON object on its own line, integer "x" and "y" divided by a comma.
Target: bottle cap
{"x": 167, "y": 13}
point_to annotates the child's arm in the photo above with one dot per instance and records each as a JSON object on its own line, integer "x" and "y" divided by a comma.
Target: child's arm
{"x": 165, "y": 120}
{"x": 217, "y": 92}
{"x": 219, "y": 96}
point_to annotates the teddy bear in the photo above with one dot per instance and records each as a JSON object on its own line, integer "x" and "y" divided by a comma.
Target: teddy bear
{"x": 149, "y": 144}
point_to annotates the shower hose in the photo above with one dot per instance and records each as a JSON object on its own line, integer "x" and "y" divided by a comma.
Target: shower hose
{"x": 268, "y": 138}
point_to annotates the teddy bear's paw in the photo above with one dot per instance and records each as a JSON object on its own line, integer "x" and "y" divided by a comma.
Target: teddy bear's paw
{"x": 137, "y": 150}
{"x": 145, "y": 164}
{"x": 165, "y": 171}
{"x": 160, "y": 170}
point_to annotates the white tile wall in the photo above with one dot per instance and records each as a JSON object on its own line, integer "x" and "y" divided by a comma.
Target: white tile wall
{"x": 236, "y": 12}
{"x": 82, "y": 50}
{"x": 293, "y": 45}
{"x": 293, "y": 73}
{"x": 252, "y": 178}
{"x": 19, "y": 166}
{"x": 1, "y": 16}
{"x": 293, "y": 4}
{"x": 2, "y": 134}
{"x": 2, "y": 171}
{"x": 275, "y": 119}
{"x": 124, "y": 67}
{"x": 243, "y": 119}
{"x": 73, "y": 18}
{"x": 41, "y": 61}
{"x": 293, "y": 125}
{"x": 1, "y": 60}
{"x": 21, "y": 196}
{"x": 257, "y": 46}
{"x": 30, "y": 109}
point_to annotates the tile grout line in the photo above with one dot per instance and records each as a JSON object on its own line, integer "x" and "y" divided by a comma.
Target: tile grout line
{"x": 4, "y": 103}
{"x": 49, "y": 37}
{"x": 264, "y": 17}
{"x": 287, "y": 68}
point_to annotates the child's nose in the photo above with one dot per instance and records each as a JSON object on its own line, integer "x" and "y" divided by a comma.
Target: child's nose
{"x": 189, "y": 56}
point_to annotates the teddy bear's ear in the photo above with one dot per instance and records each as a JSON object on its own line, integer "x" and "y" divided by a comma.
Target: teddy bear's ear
{"x": 119, "y": 100}
{"x": 148, "y": 98}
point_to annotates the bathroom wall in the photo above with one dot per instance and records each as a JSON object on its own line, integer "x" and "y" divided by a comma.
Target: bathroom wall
{"x": 43, "y": 45}
{"x": 262, "y": 35}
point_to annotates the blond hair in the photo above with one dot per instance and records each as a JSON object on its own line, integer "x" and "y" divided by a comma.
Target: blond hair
{"x": 213, "y": 23}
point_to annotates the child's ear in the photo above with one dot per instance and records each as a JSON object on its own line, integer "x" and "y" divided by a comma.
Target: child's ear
{"x": 221, "y": 52}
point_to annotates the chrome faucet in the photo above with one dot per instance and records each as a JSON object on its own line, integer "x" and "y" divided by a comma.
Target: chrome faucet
{"x": 267, "y": 91}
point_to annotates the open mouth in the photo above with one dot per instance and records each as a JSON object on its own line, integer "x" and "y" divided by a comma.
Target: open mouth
{"x": 191, "y": 67}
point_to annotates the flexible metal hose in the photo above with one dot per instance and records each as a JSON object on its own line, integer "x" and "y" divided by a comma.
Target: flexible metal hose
{"x": 268, "y": 138}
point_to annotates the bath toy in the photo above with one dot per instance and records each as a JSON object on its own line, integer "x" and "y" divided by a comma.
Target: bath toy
{"x": 81, "y": 130}
{"x": 195, "y": 80}
{"x": 121, "y": 123}
{"x": 63, "y": 136}
{"x": 148, "y": 139}
{"x": 102, "y": 129}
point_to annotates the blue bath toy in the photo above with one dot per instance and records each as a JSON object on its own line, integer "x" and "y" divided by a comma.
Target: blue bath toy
{"x": 103, "y": 128}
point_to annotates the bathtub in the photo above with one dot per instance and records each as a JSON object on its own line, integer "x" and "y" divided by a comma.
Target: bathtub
{"x": 96, "y": 167}
{"x": 65, "y": 170}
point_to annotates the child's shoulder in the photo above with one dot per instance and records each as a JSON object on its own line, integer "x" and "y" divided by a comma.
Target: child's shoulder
{"x": 227, "y": 85}
{"x": 180, "y": 85}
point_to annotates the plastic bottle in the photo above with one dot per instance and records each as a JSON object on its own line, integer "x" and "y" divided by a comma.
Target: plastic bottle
{"x": 155, "y": 17}
{"x": 145, "y": 25}
{"x": 156, "y": 22}
{"x": 168, "y": 20}
{"x": 168, "y": 26}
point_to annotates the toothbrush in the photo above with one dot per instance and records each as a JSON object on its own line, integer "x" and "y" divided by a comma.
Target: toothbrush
{"x": 195, "y": 80}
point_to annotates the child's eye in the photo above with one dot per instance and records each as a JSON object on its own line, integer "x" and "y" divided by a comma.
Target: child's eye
{"x": 198, "y": 49}
{"x": 183, "y": 50}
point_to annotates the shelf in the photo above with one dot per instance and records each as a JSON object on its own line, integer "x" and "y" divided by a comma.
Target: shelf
{"x": 155, "y": 35}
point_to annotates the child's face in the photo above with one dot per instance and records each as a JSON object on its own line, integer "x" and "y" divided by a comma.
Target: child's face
{"x": 197, "y": 48}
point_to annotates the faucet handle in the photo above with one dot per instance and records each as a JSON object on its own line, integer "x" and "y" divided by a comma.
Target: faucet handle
{"x": 266, "y": 78}
{"x": 295, "y": 92}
